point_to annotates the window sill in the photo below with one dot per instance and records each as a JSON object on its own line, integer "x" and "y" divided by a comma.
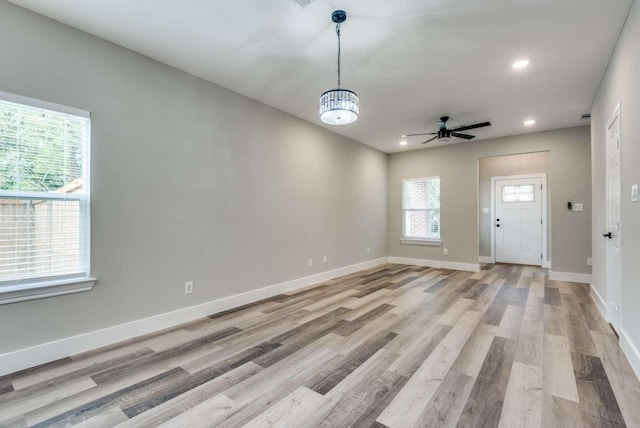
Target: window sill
{"x": 410, "y": 241}
{"x": 40, "y": 290}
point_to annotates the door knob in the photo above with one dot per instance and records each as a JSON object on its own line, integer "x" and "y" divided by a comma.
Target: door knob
{"x": 607, "y": 235}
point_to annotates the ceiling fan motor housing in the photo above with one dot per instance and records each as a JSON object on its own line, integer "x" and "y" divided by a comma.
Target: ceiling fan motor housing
{"x": 444, "y": 133}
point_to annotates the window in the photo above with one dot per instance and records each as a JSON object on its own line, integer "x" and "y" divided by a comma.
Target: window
{"x": 421, "y": 209}
{"x": 519, "y": 193}
{"x": 44, "y": 196}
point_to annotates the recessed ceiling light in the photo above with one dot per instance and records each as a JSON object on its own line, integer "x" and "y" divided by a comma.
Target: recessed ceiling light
{"x": 530, "y": 122}
{"x": 520, "y": 64}
{"x": 403, "y": 142}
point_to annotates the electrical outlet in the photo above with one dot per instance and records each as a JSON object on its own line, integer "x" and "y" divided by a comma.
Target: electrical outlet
{"x": 310, "y": 262}
{"x": 368, "y": 250}
{"x": 445, "y": 251}
{"x": 188, "y": 287}
{"x": 589, "y": 261}
{"x": 324, "y": 259}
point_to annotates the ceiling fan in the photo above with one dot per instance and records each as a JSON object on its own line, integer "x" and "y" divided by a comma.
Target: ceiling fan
{"x": 445, "y": 134}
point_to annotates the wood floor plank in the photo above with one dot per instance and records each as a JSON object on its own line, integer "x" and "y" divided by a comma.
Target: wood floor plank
{"x": 332, "y": 376}
{"x": 17, "y": 403}
{"x": 391, "y": 346}
{"x": 418, "y": 350}
{"x": 597, "y": 400}
{"x": 181, "y": 403}
{"x": 558, "y": 372}
{"x": 578, "y": 331}
{"x": 210, "y": 412}
{"x": 619, "y": 372}
{"x": 87, "y": 368}
{"x": 350, "y": 400}
{"x": 130, "y": 394}
{"x": 193, "y": 380}
{"x": 288, "y": 411}
{"x": 530, "y": 342}
{"x": 351, "y": 327}
{"x": 453, "y": 314}
{"x": 446, "y": 406}
{"x": 552, "y": 296}
{"x": 485, "y": 402}
{"x": 522, "y": 406}
{"x": 407, "y": 407}
{"x": 17, "y": 422}
{"x": 124, "y": 370}
{"x": 558, "y": 412}
{"x": 108, "y": 418}
{"x": 510, "y": 323}
{"x": 475, "y": 351}
{"x": 365, "y": 404}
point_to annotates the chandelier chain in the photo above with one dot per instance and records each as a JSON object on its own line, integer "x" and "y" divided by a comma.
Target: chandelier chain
{"x": 339, "y": 51}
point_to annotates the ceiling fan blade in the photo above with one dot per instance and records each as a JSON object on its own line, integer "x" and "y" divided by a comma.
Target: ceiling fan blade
{"x": 424, "y": 133}
{"x": 430, "y": 140}
{"x": 467, "y": 127}
{"x": 465, "y": 136}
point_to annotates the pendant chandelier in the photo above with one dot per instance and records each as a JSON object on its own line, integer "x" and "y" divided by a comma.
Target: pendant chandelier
{"x": 339, "y": 106}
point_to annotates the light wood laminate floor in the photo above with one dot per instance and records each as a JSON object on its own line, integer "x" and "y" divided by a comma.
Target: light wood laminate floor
{"x": 396, "y": 346}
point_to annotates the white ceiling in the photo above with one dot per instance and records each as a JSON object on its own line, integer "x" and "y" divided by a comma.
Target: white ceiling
{"x": 410, "y": 61}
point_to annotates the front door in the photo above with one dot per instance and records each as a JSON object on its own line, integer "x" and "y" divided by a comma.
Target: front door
{"x": 518, "y": 221}
{"x": 612, "y": 233}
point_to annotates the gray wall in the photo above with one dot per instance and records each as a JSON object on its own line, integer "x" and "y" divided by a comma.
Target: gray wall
{"x": 497, "y": 166}
{"x": 190, "y": 181}
{"x": 621, "y": 83}
{"x": 569, "y": 179}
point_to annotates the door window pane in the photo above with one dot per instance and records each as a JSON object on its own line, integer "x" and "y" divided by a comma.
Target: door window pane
{"x": 518, "y": 193}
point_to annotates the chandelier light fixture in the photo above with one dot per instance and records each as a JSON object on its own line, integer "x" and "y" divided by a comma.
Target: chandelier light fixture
{"x": 339, "y": 106}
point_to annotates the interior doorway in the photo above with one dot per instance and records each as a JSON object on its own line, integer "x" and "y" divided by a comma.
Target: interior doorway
{"x": 518, "y": 220}
{"x": 517, "y": 165}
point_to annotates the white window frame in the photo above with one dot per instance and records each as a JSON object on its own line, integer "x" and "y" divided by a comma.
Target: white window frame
{"x": 415, "y": 240}
{"x": 38, "y": 288}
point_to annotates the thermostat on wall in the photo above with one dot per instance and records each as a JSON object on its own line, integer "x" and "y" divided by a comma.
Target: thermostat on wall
{"x": 578, "y": 207}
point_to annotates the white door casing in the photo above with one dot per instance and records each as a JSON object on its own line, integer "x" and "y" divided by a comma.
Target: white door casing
{"x": 519, "y": 219}
{"x": 612, "y": 230}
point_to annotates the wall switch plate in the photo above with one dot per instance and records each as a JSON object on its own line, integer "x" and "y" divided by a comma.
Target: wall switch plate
{"x": 324, "y": 259}
{"x": 188, "y": 287}
{"x": 445, "y": 251}
{"x": 485, "y": 210}
{"x": 310, "y": 262}
{"x": 578, "y": 207}
{"x": 634, "y": 193}
{"x": 368, "y": 250}
{"x": 589, "y": 261}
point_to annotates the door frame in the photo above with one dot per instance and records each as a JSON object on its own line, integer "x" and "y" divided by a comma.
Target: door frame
{"x": 545, "y": 229}
{"x": 616, "y": 114}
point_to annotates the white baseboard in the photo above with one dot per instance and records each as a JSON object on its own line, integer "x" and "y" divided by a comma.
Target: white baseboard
{"x": 471, "y": 267}
{"x": 584, "y": 278}
{"x": 599, "y": 301}
{"x": 51, "y": 351}
{"x": 631, "y": 352}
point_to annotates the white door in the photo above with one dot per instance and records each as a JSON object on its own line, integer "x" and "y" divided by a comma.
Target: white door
{"x": 518, "y": 221}
{"x": 614, "y": 311}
